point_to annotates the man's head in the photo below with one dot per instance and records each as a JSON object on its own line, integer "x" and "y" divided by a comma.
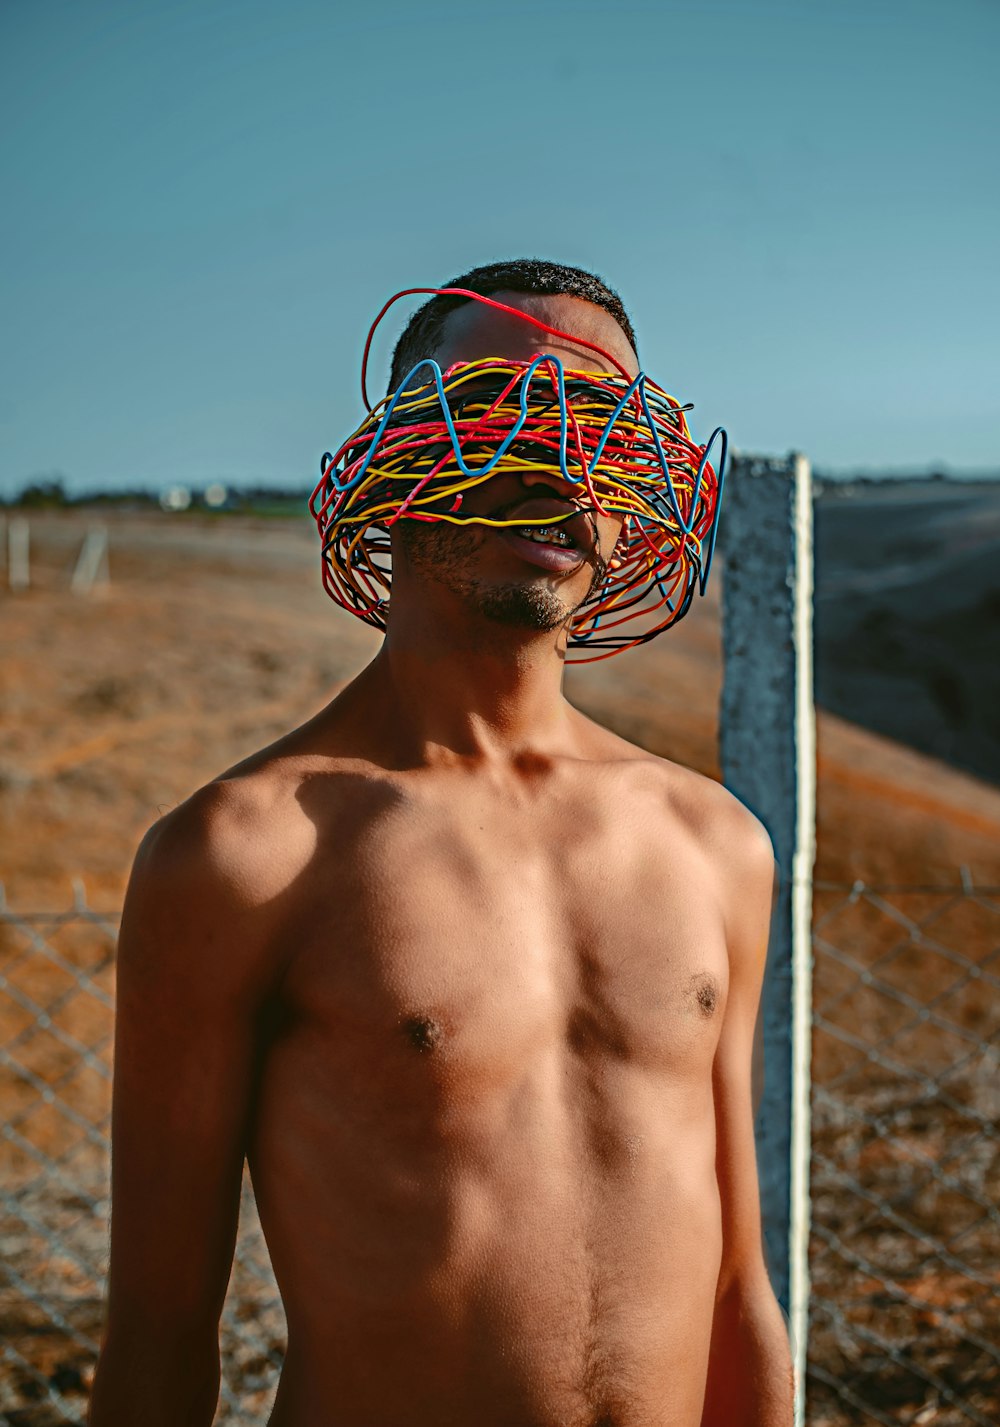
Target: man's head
{"x": 493, "y": 570}
{"x": 526, "y": 472}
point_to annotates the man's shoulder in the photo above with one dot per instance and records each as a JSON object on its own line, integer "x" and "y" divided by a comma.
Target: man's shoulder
{"x": 718, "y": 815}
{"x": 725, "y": 829}
{"x": 246, "y": 835}
{"x": 214, "y": 882}
{"x": 705, "y": 806}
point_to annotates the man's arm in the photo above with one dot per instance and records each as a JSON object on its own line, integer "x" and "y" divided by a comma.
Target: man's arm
{"x": 750, "y": 1370}
{"x": 194, "y": 968}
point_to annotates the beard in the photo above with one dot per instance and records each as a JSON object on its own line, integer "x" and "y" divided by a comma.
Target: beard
{"x": 448, "y": 555}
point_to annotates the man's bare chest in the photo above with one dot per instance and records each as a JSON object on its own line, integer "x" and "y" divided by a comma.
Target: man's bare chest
{"x": 474, "y": 939}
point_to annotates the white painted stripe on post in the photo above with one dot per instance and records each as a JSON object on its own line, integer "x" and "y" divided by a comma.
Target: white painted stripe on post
{"x": 802, "y": 878}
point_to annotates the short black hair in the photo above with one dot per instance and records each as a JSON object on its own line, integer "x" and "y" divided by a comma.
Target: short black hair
{"x": 424, "y": 330}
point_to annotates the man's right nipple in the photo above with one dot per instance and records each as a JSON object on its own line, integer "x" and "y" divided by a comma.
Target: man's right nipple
{"x": 423, "y": 1032}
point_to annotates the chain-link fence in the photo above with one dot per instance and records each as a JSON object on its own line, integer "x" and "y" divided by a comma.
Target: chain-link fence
{"x": 56, "y": 1015}
{"x": 905, "y": 1170}
{"x": 904, "y": 1309}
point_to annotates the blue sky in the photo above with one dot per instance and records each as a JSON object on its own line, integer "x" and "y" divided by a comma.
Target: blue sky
{"x": 206, "y": 203}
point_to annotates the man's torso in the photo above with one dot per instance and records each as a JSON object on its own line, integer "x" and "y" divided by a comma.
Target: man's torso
{"x": 483, "y": 1141}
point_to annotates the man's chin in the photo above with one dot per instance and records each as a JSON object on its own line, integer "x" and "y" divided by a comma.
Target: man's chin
{"x": 528, "y": 607}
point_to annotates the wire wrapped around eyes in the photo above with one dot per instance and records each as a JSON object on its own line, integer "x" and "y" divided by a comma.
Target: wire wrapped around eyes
{"x": 624, "y": 442}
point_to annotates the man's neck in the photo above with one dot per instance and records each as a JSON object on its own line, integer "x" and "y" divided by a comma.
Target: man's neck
{"x": 468, "y": 690}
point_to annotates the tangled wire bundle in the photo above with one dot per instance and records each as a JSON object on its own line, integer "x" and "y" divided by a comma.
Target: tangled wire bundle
{"x": 623, "y": 442}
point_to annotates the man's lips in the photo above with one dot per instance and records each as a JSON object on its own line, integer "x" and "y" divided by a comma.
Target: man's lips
{"x": 558, "y": 558}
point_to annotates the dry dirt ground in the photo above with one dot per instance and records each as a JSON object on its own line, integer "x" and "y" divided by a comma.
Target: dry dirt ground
{"x": 214, "y": 637}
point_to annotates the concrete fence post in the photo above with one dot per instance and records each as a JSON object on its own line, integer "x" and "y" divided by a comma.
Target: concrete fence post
{"x": 92, "y": 564}
{"x": 767, "y": 747}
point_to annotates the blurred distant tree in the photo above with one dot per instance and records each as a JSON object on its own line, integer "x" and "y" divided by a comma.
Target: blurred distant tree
{"x": 44, "y": 493}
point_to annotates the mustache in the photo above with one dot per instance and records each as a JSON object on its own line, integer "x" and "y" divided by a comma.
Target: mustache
{"x": 572, "y": 507}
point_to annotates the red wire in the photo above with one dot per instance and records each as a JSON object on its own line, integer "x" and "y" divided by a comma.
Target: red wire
{"x": 487, "y": 302}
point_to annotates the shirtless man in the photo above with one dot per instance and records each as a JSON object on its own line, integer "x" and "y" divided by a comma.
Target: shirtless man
{"x": 472, "y": 983}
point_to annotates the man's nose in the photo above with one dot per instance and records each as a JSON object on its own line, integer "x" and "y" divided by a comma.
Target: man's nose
{"x": 554, "y": 481}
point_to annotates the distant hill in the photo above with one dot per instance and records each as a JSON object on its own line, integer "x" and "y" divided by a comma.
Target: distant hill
{"x": 907, "y": 615}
